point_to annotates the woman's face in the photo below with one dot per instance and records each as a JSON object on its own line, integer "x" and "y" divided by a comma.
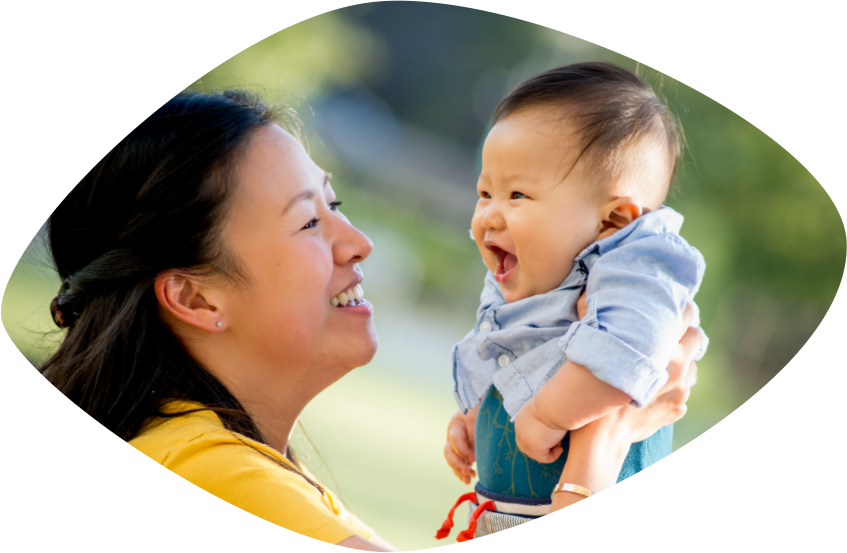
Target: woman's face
{"x": 298, "y": 253}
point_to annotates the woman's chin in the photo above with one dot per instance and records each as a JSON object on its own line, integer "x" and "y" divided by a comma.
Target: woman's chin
{"x": 356, "y": 348}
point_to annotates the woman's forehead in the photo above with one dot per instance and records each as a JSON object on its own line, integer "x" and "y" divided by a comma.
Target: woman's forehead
{"x": 276, "y": 167}
{"x": 271, "y": 145}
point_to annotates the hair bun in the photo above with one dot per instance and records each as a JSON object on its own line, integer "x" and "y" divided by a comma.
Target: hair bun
{"x": 62, "y": 317}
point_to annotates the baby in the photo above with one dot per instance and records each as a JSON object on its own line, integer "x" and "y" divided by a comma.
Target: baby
{"x": 574, "y": 174}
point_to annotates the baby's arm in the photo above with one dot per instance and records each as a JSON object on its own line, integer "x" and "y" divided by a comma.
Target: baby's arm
{"x": 542, "y": 422}
{"x": 638, "y": 293}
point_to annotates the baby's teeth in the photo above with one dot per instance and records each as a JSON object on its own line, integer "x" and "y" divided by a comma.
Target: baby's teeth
{"x": 343, "y": 299}
{"x": 334, "y": 301}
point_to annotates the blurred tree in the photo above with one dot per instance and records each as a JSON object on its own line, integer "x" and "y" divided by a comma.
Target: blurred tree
{"x": 326, "y": 52}
{"x": 437, "y": 56}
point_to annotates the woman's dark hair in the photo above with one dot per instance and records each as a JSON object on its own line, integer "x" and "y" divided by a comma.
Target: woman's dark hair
{"x": 614, "y": 110}
{"x": 156, "y": 202}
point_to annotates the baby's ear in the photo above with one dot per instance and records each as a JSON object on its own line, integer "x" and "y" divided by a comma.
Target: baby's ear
{"x": 620, "y": 212}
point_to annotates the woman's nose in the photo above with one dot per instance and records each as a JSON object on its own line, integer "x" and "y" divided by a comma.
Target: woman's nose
{"x": 351, "y": 245}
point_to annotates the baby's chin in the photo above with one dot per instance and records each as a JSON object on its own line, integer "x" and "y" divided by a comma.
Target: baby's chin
{"x": 512, "y": 293}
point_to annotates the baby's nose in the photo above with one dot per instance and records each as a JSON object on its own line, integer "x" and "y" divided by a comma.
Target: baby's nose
{"x": 493, "y": 219}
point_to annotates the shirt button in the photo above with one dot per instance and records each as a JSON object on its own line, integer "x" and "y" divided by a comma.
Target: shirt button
{"x": 503, "y": 360}
{"x": 485, "y": 326}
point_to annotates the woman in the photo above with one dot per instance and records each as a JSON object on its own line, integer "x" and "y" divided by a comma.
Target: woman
{"x": 211, "y": 290}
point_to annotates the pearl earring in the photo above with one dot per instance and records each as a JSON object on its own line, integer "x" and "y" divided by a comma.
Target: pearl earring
{"x": 219, "y": 324}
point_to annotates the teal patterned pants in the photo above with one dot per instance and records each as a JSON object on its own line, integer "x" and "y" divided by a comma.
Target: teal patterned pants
{"x": 504, "y": 469}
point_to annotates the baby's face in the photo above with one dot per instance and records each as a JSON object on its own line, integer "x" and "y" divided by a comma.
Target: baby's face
{"x": 536, "y": 209}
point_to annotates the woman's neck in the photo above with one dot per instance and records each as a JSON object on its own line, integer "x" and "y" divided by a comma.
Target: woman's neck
{"x": 273, "y": 396}
{"x": 274, "y": 405}
{"x": 272, "y": 392}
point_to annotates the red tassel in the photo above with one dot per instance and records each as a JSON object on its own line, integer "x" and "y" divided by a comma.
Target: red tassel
{"x": 466, "y": 535}
{"x": 444, "y": 531}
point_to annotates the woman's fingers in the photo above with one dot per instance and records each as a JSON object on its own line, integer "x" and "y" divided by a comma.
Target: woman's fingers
{"x": 581, "y": 308}
{"x": 692, "y": 374}
{"x": 690, "y": 344}
{"x": 668, "y": 406}
{"x": 679, "y": 371}
{"x": 687, "y": 317}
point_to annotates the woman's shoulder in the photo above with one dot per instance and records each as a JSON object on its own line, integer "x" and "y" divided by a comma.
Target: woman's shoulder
{"x": 243, "y": 472}
{"x": 190, "y": 427}
{"x": 192, "y": 441}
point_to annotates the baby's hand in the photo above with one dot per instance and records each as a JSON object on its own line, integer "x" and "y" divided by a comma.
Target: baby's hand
{"x": 459, "y": 449}
{"x": 537, "y": 440}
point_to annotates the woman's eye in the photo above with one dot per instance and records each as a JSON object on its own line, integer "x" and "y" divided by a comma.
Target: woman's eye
{"x": 333, "y": 206}
{"x": 312, "y": 224}
{"x": 518, "y": 195}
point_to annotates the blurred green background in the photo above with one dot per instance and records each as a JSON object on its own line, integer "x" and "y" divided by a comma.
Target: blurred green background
{"x": 397, "y": 97}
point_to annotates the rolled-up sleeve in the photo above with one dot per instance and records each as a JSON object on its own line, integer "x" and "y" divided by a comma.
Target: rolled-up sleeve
{"x": 635, "y": 294}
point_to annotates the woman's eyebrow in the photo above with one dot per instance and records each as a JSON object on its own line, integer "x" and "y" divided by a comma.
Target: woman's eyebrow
{"x": 306, "y": 194}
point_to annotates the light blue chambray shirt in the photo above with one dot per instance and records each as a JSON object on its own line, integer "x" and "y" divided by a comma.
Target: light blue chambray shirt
{"x": 637, "y": 284}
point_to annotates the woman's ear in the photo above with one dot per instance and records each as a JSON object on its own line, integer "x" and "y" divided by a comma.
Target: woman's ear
{"x": 182, "y": 297}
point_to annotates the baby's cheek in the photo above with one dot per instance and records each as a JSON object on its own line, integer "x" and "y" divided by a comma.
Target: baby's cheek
{"x": 551, "y": 274}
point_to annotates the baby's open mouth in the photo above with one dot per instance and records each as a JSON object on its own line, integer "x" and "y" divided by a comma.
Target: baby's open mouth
{"x": 349, "y": 298}
{"x": 505, "y": 263}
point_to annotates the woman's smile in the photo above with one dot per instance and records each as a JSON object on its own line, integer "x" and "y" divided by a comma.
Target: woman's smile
{"x": 300, "y": 250}
{"x": 349, "y": 298}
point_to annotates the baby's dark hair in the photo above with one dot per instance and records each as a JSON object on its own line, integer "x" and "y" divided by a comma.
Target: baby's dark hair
{"x": 614, "y": 111}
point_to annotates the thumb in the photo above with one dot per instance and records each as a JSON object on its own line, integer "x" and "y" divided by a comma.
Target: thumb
{"x": 556, "y": 452}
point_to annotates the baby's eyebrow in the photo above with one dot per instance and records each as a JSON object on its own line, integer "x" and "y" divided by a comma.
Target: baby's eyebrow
{"x": 520, "y": 176}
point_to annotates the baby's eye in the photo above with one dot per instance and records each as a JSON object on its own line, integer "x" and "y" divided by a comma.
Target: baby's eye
{"x": 518, "y": 195}
{"x": 333, "y": 206}
{"x": 484, "y": 195}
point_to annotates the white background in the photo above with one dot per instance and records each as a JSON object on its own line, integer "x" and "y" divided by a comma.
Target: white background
{"x": 77, "y": 77}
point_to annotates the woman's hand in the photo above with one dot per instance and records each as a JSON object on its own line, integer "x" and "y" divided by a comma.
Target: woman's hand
{"x": 459, "y": 448}
{"x": 669, "y": 404}
{"x": 598, "y": 449}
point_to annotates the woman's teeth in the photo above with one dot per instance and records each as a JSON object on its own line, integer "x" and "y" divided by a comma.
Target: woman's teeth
{"x": 351, "y": 297}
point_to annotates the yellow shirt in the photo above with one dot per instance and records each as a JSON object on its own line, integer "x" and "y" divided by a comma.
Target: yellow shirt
{"x": 198, "y": 448}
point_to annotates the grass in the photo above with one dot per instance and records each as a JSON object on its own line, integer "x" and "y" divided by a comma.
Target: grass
{"x": 380, "y": 446}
